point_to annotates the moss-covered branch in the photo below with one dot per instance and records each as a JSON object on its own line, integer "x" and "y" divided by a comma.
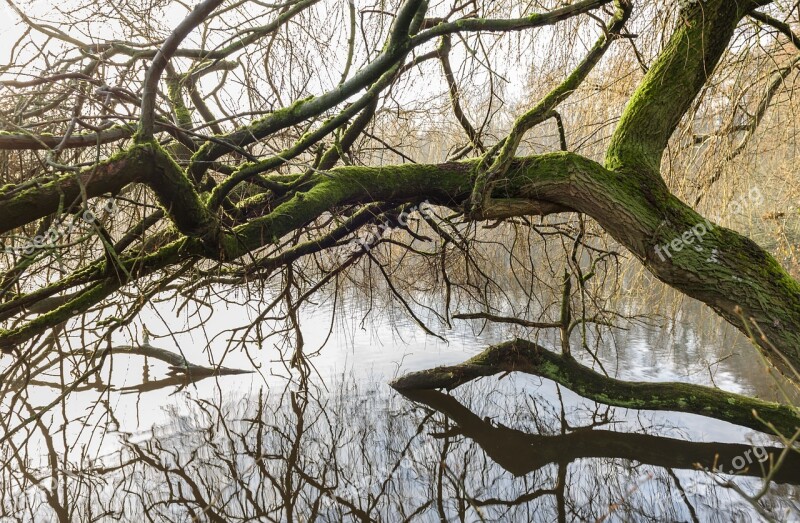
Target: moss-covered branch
{"x": 104, "y": 281}
{"x": 20, "y": 205}
{"x": 400, "y": 44}
{"x": 34, "y": 141}
{"x": 673, "y": 82}
{"x": 725, "y": 270}
{"x": 481, "y": 193}
{"x": 525, "y": 356}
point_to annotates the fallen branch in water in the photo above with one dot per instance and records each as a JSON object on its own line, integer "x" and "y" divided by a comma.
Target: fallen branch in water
{"x": 178, "y": 363}
{"x": 528, "y": 357}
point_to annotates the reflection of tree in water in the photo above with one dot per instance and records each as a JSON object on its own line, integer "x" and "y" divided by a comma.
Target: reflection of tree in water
{"x": 359, "y": 454}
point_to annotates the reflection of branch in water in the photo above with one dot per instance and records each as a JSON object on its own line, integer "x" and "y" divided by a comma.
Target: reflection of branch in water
{"x": 520, "y": 453}
{"x": 357, "y": 455}
{"x": 179, "y": 381}
{"x": 181, "y": 372}
{"x": 178, "y": 364}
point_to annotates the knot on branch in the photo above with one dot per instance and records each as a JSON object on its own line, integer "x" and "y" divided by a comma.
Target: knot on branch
{"x": 178, "y": 196}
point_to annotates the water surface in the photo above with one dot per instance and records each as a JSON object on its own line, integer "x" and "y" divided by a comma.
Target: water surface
{"x": 139, "y": 445}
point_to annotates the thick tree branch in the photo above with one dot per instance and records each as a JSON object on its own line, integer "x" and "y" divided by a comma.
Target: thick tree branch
{"x": 394, "y": 52}
{"x": 672, "y": 83}
{"x": 524, "y": 356}
{"x": 162, "y": 58}
{"x": 783, "y": 27}
{"x": 723, "y": 269}
{"x": 33, "y": 141}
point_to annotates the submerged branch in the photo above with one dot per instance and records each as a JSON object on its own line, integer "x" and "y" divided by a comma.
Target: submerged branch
{"x": 528, "y": 357}
{"x": 177, "y": 362}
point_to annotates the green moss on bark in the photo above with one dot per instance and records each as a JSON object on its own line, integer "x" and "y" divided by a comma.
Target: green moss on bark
{"x": 524, "y": 356}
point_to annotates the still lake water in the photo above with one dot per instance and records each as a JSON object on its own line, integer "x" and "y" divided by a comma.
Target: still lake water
{"x": 257, "y": 447}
